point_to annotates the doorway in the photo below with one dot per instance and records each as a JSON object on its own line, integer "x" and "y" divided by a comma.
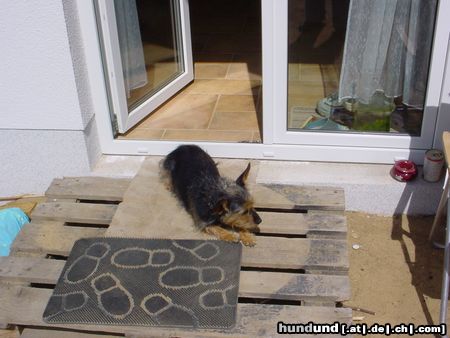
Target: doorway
{"x": 288, "y": 83}
{"x": 224, "y": 101}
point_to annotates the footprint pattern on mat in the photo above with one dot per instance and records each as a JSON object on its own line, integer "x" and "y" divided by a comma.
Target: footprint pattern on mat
{"x": 163, "y": 310}
{"x": 217, "y": 299}
{"x": 113, "y": 299}
{"x": 135, "y": 258}
{"x": 85, "y": 265}
{"x": 65, "y": 303}
{"x": 182, "y": 277}
{"x": 204, "y": 251}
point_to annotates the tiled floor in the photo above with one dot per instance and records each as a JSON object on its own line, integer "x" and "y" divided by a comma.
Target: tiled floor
{"x": 308, "y": 83}
{"x": 224, "y": 102}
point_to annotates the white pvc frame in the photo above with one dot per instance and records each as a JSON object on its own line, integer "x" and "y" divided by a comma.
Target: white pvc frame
{"x": 272, "y": 147}
{"x": 125, "y": 119}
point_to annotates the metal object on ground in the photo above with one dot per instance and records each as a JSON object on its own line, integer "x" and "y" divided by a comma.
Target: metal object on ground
{"x": 432, "y": 165}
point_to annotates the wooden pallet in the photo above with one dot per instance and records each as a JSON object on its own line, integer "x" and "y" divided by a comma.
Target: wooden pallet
{"x": 297, "y": 272}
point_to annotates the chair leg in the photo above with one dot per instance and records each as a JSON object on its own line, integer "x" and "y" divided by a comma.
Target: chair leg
{"x": 440, "y": 208}
{"x": 445, "y": 274}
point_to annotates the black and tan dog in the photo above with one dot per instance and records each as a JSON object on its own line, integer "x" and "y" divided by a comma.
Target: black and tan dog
{"x": 218, "y": 205}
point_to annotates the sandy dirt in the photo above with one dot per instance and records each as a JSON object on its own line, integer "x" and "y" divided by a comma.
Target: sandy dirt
{"x": 395, "y": 272}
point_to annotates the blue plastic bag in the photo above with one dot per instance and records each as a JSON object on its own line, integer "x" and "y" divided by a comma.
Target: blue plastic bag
{"x": 11, "y": 221}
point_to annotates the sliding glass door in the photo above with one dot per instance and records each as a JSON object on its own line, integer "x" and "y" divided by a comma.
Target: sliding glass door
{"x": 341, "y": 77}
{"x": 357, "y": 72}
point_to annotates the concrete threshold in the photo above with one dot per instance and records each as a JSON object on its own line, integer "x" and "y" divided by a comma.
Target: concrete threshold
{"x": 368, "y": 187}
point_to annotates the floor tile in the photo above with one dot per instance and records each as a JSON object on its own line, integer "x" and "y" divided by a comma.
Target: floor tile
{"x": 226, "y": 87}
{"x": 183, "y": 111}
{"x": 294, "y": 71}
{"x": 234, "y": 121}
{"x": 211, "y": 65}
{"x": 256, "y": 137}
{"x": 298, "y": 118}
{"x": 210, "y": 70}
{"x": 329, "y": 73}
{"x": 308, "y": 102}
{"x": 208, "y": 135}
{"x": 304, "y": 94}
{"x": 330, "y": 87}
{"x": 233, "y": 103}
{"x": 310, "y": 72}
{"x": 246, "y": 67}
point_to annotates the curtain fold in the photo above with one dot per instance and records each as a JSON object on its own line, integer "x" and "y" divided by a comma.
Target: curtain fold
{"x": 387, "y": 49}
{"x": 130, "y": 44}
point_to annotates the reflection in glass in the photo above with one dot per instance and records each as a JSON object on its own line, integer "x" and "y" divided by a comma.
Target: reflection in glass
{"x": 359, "y": 65}
{"x": 149, "y": 46}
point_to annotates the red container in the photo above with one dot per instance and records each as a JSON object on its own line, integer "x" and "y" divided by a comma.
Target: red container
{"x": 404, "y": 170}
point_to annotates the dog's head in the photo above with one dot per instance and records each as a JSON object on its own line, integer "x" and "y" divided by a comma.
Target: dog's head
{"x": 235, "y": 208}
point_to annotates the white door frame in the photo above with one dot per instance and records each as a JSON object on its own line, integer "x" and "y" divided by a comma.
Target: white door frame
{"x": 271, "y": 10}
{"x": 108, "y": 24}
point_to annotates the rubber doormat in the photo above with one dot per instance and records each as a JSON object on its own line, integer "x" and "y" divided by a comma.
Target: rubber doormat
{"x": 122, "y": 281}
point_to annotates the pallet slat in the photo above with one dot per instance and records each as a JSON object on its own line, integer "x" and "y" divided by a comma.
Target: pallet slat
{"x": 293, "y": 286}
{"x": 254, "y": 284}
{"x": 303, "y": 224}
{"x": 149, "y": 210}
{"x": 51, "y": 237}
{"x": 25, "y": 305}
{"x": 30, "y": 269}
{"x": 43, "y": 333}
{"x": 74, "y": 212}
{"x": 297, "y": 197}
{"x": 297, "y": 253}
{"x": 270, "y": 252}
{"x": 89, "y": 188}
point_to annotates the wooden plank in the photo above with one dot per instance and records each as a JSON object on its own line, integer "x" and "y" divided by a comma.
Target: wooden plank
{"x": 51, "y": 237}
{"x": 297, "y": 197}
{"x": 30, "y": 269}
{"x": 25, "y": 306}
{"x": 88, "y": 213}
{"x": 253, "y": 284}
{"x": 293, "y": 286}
{"x": 46, "y": 333}
{"x": 303, "y": 224}
{"x": 12, "y": 332}
{"x": 269, "y": 252}
{"x": 297, "y": 253}
{"x": 89, "y": 188}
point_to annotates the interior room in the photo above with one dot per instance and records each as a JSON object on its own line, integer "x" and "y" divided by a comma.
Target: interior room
{"x": 224, "y": 101}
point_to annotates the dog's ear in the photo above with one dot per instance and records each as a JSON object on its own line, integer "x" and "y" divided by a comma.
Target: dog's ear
{"x": 222, "y": 207}
{"x": 241, "y": 180}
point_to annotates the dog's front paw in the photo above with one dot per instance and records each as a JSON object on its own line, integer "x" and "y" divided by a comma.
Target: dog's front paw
{"x": 247, "y": 238}
{"x": 221, "y": 233}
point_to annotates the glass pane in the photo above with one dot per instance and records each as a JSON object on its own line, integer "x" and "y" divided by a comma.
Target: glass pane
{"x": 150, "y": 46}
{"x": 359, "y": 65}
